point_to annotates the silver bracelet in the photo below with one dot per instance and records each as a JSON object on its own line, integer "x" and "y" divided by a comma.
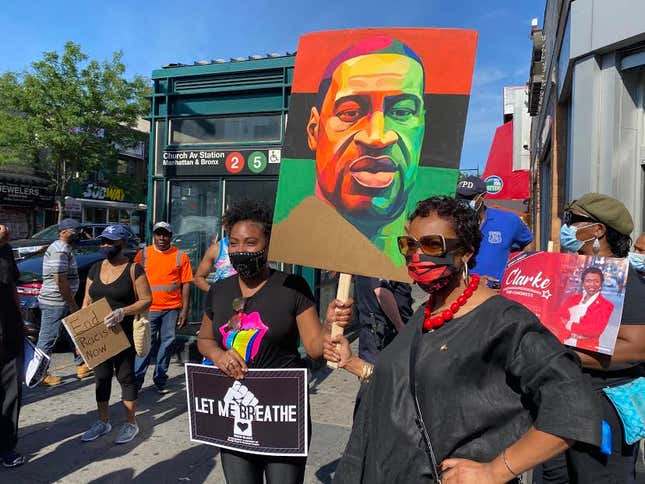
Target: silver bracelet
{"x": 508, "y": 466}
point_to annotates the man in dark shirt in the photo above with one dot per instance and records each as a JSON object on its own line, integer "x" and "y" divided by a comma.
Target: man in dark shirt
{"x": 382, "y": 307}
{"x": 11, "y": 354}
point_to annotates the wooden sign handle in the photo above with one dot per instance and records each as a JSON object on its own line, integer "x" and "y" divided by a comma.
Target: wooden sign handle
{"x": 342, "y": 294}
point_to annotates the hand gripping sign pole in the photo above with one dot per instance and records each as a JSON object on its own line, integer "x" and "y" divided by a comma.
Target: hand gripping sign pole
{"x": 345, "y": 191}
{"x": 342, "y": 294}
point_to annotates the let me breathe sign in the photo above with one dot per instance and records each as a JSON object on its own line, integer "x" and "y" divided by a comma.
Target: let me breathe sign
{"x": 266, "y": 413}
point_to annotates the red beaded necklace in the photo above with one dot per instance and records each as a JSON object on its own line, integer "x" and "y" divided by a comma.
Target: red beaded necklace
{"x": 433, "y": 322}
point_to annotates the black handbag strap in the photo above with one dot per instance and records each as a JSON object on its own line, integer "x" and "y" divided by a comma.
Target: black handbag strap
{"x": 419, "y": 420}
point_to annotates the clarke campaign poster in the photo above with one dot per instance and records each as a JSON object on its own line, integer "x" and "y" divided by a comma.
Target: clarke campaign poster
{"x": 376, "y": 123}
{"x": 265, "y": 413}
{"x": 578, "y": 298}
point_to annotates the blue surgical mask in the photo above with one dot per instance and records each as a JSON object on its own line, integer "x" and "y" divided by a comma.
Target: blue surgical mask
{"x": 637, "y": 261}
{"x": 568, "y": 239}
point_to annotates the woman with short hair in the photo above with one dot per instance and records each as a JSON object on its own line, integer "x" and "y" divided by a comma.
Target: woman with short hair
{"x": 474, "y": 389}
{"x": 255, "y": 319}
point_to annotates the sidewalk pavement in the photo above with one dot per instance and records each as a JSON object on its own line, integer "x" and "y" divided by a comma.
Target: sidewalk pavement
{"x": 53, "y": 419}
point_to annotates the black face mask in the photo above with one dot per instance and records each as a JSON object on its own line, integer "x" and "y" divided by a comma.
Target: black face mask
{"x": 248, "y": 264}
{"x": 111, "y": 251}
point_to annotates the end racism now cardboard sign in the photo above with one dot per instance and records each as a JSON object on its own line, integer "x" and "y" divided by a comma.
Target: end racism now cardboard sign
{"x": 94, "y": 340}
{"x": 266, "y": 413}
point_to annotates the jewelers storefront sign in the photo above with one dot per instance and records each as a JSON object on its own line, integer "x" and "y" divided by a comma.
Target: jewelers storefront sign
{"x": 221, "y": 162}
{"x": 22, "y": 194}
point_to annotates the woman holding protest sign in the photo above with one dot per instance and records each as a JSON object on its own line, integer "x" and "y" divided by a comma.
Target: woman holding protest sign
{"x": 599, "y": 225}
{"x": 474, "y": 389}
{"x": 254, "y": 320}
{"x": 126, "y": 289}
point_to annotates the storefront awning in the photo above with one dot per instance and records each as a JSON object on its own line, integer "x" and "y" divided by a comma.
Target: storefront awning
{"x": 502, "y": 183}
{"x": 88, "y": 202}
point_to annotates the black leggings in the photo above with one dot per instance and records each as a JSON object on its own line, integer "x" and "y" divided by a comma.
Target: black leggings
{"x": 123, "y": 365}
{"x": 241, "y": 468}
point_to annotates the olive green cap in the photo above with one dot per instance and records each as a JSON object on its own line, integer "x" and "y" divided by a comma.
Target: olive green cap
{"x": 605, "y": 209}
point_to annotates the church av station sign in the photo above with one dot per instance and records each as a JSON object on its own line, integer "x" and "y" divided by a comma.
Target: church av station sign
{"x": 221, "y": 162}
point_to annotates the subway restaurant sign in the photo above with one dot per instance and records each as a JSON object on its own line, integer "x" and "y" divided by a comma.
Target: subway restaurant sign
{"x": 221, "y": 162}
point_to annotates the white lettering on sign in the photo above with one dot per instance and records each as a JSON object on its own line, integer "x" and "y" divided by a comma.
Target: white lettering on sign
{"x": 538, "y": 281}
{"x": 19, "y": 190}
{"x": 255, "y": 413}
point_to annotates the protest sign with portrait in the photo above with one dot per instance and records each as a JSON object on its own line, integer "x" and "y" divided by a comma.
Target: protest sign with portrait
{"x": 578, "y": 298}
{"x": 376, "y": 123}
{"x": 266, "y": 413}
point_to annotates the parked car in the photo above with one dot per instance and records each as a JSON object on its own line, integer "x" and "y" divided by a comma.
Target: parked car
{"x": 31, "y": 280}
{"x": 39, "y": 242}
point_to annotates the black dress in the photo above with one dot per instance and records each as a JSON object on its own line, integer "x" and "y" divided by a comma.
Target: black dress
{"x": 482, "y": 381}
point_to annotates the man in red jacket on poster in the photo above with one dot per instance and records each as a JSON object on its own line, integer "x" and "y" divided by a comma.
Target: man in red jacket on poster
{"x": 584, "y": 316}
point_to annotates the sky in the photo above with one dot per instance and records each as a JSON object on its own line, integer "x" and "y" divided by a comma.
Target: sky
{"x": 153, "y": 34}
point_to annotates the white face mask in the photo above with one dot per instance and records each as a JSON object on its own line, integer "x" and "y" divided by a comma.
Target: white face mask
{"x": 637, "y": 261}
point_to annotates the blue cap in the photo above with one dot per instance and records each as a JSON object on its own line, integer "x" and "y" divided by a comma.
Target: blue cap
{"x": 115, "y": 232}
{"x": 470, "y": 186}
{"x": 68, "y": 224}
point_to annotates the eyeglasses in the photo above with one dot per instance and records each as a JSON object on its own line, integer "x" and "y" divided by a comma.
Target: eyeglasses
{"x": 434, "y": 245}
{"x": 570, "y": 218}
{"x": 105, "y": 241}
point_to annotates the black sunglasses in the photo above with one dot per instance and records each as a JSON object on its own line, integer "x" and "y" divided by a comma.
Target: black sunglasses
{"x": 570, "y": 218}
{"x": 105, "y": 241}
{"x": 433, "y": 245}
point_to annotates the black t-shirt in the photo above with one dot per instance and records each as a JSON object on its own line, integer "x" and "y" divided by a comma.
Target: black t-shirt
{"x": 119, "y": 293}
{"x": 9, "y": 273}
{"x": 633, "y": 314}
{"x": 265, "y": 332}
{"x": 10, "y": 321}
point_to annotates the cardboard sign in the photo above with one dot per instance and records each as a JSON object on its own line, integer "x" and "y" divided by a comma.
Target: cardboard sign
{"x": 578, "y": 298}
{"x": 376, "y": 123}
{"x": 266, "y": 413}
{"x": 93, "y": 339}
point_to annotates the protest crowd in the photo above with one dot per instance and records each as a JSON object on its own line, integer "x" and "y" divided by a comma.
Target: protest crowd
{"x": 549, "y": 415}
{"x": 514, "y": 364}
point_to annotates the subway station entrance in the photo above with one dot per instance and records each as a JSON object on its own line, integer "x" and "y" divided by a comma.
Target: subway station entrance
{"x": 216, "y": 137}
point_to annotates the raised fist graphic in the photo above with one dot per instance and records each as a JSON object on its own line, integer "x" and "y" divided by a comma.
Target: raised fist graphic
{"x": 244, "y": 403}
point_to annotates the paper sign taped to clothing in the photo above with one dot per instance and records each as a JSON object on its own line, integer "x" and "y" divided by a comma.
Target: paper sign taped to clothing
{"x": 266, "y": 413}
{"x": 36, "y": 364}
{"x": 578, "y": 298}
{"x": 93, "y": 339}
{"x": 376, "y": 124}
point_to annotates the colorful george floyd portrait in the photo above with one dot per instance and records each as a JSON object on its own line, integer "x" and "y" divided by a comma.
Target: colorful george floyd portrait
{"x": 376, "y": 123}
